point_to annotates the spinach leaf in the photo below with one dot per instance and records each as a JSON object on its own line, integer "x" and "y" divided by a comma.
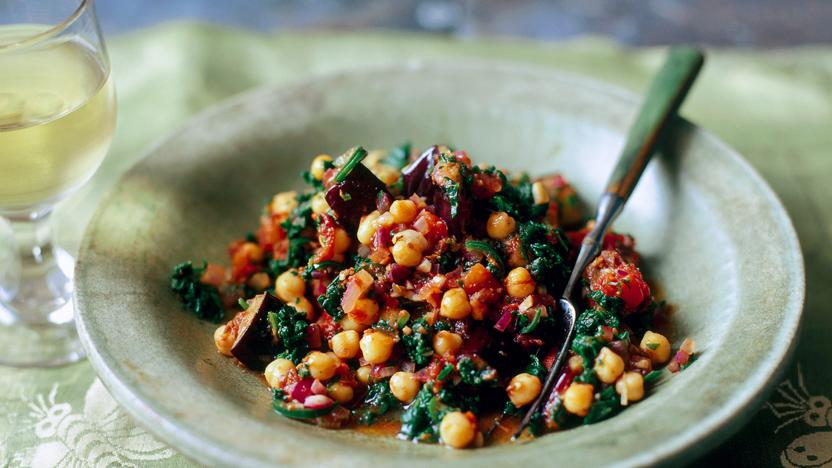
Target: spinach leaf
{"x": 417, "y": 345}
{"x": 379, "y": 400}
{"x": 289, "y": 327}
{"x": 330, "y": 300}
{"x": 201, "y": 299}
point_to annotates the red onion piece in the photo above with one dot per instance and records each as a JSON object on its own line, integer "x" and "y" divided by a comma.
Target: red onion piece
{"x": 318, "y": 388}
{"x": 504, "y": 322}
{"x": 408, "y": 366}
{"x": 302, "y": 389}
{"x": 382, "y": 372}
{"x": 318, "y": 402}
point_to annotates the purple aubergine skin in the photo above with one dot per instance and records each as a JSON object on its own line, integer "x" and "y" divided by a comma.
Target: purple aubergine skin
{"x": 362, "y": 189}
{"x": 254, "y": 346}
{"x": 417, "y": 179}
{"x": 416, "y": 175}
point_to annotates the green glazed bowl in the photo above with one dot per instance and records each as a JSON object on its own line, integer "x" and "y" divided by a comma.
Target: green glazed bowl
{"x": 710, "y": 231}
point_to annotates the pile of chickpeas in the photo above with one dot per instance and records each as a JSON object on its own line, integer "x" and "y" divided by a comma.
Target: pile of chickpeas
{"x": 375, "y": 347}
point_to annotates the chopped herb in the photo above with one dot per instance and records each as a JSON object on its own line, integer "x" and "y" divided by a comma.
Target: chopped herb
{"x": 653, "y": 346}
{"x": 532, "y": 326}
{"x": 452, "y": 190}
{"x": 492, "y": 256}
{"x": 243, "y": 304}
{"x": 346, "y": 196}
{"x": 445, "y": 372}
{"x": 357, "y": 156}
{"x": 201, "y": 299}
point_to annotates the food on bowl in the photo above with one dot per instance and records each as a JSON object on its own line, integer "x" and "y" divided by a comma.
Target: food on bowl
{"x": 418, "y": 291}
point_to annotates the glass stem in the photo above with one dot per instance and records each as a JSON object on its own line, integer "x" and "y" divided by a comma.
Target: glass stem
{"x": 39, "y": 288}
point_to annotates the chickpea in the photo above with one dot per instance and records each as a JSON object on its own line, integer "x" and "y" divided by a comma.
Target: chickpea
{"x": 319, "y": 204}
{"x": 321, "y": 366}
{"x": 405, "y": 255}
{"x": 250, "y": 251}
{"x": 284, "y": 202}
{"x": 404, "y": 386}
{"x": 303, "y": 306}
{"x": 403, "y": 211}
{"x": 631, "y": 387}
{"x": 519, "y": 282}
{"x": 365, "y": 311}
{"x": 345, "y": 344}
{"x": 376, "y": 347}
{"x": 367, "y": 228}
{"x": 415, "y": 238}
{"x": 500, "y": 225}
{"x": 407, "y": 248}
{"x": 223, "y": 340}
{"x": 277, "y": 371}
{"x": 656, "y": 346}
{"x": 385, "y": 173}
{"x": 342, "y": 241}
{"x": 446, "y": 343}
{"x": 578, "y": 398}
{"x": 289, "y": 286}
{"x": 523, "y": 389}
{"x": 342, "y": 393}
{"x": 455, "y": 304}
{"x": 539, "y": 193}
{"x": 259, "y": 281}
{"x": 364, "y": 374}
{"x": 608, "y": 366}
{"x": 350, "y": 324}
{"x": 318, "y": 166}
{"x": 576, "y": 364}
{"x": 458, "y": 429}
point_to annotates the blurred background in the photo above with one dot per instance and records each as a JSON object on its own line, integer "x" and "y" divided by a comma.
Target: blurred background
{"x": 743, "y": 23}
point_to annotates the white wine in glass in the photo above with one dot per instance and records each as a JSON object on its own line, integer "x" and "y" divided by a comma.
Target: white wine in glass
{"x": 57, "y": 116}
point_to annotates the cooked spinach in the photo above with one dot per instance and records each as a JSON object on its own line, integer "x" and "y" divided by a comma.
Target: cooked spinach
{"x": 201, "y": 299}
{"x": 379, "y": 400}
{"x": 289, "y": 328}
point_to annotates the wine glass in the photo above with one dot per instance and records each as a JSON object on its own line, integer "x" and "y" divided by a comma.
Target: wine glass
{"x": 57, "y": 116}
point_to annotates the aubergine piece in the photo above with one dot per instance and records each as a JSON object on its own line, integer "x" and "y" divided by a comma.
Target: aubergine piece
{"x": 416, "y": 175}
{"x": 254, "y": 346}
{"x": 355, "y": 196}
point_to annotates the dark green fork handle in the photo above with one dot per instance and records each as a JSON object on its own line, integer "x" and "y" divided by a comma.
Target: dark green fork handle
{"x": 664, "y": 96}
{"x": 666, "y": 93}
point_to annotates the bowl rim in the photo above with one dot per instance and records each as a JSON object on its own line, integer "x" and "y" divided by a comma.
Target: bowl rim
{"x": 697, "y": 440}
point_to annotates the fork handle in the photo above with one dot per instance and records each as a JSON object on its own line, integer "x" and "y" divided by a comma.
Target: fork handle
{"x": 664, "y": 96}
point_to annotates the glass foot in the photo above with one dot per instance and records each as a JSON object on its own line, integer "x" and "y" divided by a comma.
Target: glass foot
{"x": 38, "y": 345}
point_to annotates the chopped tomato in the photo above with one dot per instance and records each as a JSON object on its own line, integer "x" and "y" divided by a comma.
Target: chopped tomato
{"x": 614, "y": 277}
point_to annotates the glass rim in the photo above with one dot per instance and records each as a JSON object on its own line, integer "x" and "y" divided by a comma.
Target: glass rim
{"x": 53, "y": 31}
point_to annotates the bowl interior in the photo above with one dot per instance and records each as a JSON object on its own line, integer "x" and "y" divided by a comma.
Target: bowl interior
{"x": 705, "y": 223}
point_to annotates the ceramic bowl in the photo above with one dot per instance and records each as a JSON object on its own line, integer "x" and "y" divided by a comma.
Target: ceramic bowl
{"x": 710, "y": 230}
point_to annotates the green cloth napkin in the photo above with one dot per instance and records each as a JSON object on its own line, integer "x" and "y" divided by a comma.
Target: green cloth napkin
{"x": 775, "y": 107}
